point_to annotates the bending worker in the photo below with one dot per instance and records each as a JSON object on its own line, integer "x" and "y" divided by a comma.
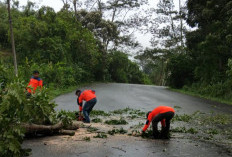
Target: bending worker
{"x": 162, "y": 114}
{"x": 35, "y": 82}
{"x": 90, "y": 98}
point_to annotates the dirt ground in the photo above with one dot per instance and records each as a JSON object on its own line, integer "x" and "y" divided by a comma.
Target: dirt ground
{"x": 200, "y": 127}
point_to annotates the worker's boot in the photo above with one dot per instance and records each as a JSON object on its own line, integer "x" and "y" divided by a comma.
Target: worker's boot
{"x": 164, "y": 133}
{"x": 156, "y": 134}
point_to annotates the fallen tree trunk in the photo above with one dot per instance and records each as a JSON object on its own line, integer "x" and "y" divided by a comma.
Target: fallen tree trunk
{"x": 74, "y": 126}
{"x": 67, "y": 132}
{"x": 58, "y": 128}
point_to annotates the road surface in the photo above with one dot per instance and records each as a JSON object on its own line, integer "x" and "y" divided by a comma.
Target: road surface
{"x": 112, "y": 96}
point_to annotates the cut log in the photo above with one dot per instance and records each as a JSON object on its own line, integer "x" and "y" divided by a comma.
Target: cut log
{"x": 74, "y": 126}
{"x": 50, "y": 129}
{"x": 67, "y": 132}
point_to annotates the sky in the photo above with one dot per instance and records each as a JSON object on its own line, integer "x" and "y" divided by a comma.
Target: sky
{"x": 144, "y": 39}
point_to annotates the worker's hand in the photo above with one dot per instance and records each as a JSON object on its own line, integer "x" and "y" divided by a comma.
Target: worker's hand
{"x": 80, "y": 116}
{"x": 142, "y": 133}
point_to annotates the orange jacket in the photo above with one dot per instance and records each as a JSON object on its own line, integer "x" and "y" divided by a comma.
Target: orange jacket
{"x": 156, "y": 111}
{"x": 34, "y": 83}
{"x": 86, "y": 95}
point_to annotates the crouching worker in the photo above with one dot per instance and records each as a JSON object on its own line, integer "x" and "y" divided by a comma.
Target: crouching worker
{"x": 90, "y": 100}
{"x": 162, "y": 114}
{"x": 34, "y": 83}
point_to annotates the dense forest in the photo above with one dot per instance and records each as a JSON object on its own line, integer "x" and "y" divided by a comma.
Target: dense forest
{"x": 196, "y": 59}
{"x": 191, "y": 50}
{"x": 65, "y": 48}
{"x": 68, "y": 48}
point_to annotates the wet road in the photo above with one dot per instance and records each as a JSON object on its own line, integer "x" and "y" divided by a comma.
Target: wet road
{"x": 114, "y": 96}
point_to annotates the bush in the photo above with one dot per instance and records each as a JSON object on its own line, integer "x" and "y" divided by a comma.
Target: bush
{"x": 59, "y": 75}
{"x": 16, "y": 109}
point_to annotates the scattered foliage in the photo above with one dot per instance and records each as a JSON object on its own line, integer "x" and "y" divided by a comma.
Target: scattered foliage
{"x": 184, "y": 118}
{"x": 92, "y": 129}
{"x": 100, "y": 135}
{"x": 96, "y": 120}
{"x": 99, "y": 113}
{"x": 87, "y": 139}
{"x": 116, "y": 122}
{"x": 184, "y": 130}
{"x": 117, "y": 131}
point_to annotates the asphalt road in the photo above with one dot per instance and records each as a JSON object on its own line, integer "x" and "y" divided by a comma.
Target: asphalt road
{"x": 112, "y": 96}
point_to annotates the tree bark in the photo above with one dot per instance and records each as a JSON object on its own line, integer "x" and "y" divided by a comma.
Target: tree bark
{"x": 58, "y": 128}
{"x": 75, "y": 8}
{"x": 12, "y": 40}
{"x": 99, "y": 6}
{"x": 181, "y": 24}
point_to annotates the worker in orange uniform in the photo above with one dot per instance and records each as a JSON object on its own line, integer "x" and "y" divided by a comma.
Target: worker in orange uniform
{"x": 35, "y": 82}
{"x": 90, "y": 100}
{"x": 162, "y": 114}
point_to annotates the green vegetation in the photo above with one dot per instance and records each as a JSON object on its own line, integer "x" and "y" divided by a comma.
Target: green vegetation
{"x": 200, "y": 65}
{"x": 71, "y": 47}
{"x": 217, "y": 119}
{"x": 133, "y": 116}
{"x": 16, "y": 109}
{"x": 184, "y": 117}
{"x": 117, "y": 131}
{"x": 138, "y": 113}
{"x": 212, "y": 131}
{"x": 116, "y": 122}
{"x": 87, "y": 139}
{"x": 70, "y": 114}
{"x": 121, "y": 111}
{"x": 66, "y": 52}
{"x": 119, "y": 73}
{"x": 196, "y": 94}
{"x": 148, "y": 134}
{"x": 54, "y": 92}
{"x": 92, "y": 129}
{"x": 184, "y": 130}
{"x": 100, "y": 135}
{"x": 133, "y": 112}
{"x": 96, "y": 120}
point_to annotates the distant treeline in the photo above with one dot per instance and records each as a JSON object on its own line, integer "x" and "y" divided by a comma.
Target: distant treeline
{"x": 203, "y": 64}
{"x": 61, "y": 48}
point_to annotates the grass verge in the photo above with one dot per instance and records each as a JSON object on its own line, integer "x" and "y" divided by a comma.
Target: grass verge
{"x": 54, "y": 92}
{"x": 220, "y": 100}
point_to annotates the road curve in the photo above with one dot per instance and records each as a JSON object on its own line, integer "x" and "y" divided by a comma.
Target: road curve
{"x": 112, "y": 96}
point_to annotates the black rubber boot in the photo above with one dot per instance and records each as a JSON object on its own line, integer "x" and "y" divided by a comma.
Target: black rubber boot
{"x": 164, "y": 133}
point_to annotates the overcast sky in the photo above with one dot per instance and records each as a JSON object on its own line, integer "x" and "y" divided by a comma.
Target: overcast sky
{"x": 58, "y": 4}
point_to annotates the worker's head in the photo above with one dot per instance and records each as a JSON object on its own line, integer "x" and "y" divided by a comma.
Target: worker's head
{"x": 148, "y": 114}
{"x": 36, "y": 73}
{"x": 78, "y": 92}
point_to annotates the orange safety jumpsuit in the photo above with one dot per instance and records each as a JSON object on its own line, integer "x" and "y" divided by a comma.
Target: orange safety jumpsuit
{"x": 86, "y": 95}
{"x": 157, "y": 112}
{"x": 34, "y": 83}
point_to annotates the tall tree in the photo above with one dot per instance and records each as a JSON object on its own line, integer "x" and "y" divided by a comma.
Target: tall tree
{"x": 117, "y": 11}
{"x": 210, "y": 43}
{"x": 12, "y": 39}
